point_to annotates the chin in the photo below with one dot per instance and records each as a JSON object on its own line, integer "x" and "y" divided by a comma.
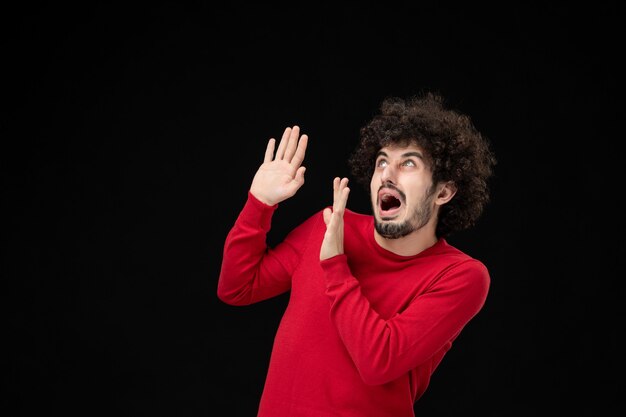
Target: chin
{"x": 393, "y": 229}
{"x": 390, "y": 218}
{"x": 387, "y": 219}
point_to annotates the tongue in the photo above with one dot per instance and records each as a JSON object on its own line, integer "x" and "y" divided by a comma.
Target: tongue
{"x": 389, "y": 207}
{"x": 389, "y": 203}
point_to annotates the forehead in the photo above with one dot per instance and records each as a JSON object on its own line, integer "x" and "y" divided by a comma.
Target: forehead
{"x": 399, "y": 150}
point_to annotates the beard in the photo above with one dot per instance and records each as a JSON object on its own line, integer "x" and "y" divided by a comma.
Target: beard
{"x": 418, "y": 219}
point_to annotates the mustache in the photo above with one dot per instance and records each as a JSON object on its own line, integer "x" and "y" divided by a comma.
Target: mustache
{"x": 393, "y": 187}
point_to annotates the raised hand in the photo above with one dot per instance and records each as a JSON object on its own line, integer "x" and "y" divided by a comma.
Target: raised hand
{"x": 281, "y": 175}
{"x": 332, "y": 244}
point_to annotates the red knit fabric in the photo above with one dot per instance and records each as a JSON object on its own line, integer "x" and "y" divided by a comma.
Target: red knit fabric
{"x": 363, "y": 331}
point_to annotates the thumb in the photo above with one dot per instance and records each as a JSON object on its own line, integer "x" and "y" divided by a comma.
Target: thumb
{"x": 328, "y": 213}
{"x": 300, "y": 175}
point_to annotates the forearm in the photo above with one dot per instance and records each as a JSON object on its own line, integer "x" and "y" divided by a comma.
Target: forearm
{"x": 384, "y": 349}
{"x": 247, "y": 268}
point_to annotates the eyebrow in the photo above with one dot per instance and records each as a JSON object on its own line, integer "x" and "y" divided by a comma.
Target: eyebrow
{"x": 404, "y": 155}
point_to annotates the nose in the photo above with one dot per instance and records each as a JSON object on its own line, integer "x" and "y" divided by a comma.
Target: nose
{"x": 388, "y": 174}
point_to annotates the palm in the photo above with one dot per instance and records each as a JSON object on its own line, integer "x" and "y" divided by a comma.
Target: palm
{"x": 277, "y": 177}
{"x": 281, "y": 175}
{"x": 332, "y": 245}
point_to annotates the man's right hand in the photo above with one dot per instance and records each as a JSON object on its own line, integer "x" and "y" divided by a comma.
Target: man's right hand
{"x": 281, "y": 175}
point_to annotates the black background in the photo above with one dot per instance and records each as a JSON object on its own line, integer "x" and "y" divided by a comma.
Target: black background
{"x": 130, "y": 136}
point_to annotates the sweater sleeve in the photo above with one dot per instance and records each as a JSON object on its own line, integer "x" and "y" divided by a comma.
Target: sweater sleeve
{"x": 251, "y": 271}
{"x": 383, "y": 350}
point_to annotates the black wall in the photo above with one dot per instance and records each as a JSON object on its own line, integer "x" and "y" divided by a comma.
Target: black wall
{"x": 129, "y": 139}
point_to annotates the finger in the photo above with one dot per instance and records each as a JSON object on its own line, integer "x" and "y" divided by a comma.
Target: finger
{"x": 338, "y": 185}
{"x": 344, "y": 199}
{"x": 336, "y": 182}
{"x": 336, "y": 221}
{"x": 299, "y": 177}
{"x": 283, "y": 143}
{"x": 344, "y": 183}
{"x": 269, "y": 150}
{"x": 342, "y": 196}
{"x": 327, "y": 215}
{"x": 298, "y": 157}
{"x": 292, "y": 144}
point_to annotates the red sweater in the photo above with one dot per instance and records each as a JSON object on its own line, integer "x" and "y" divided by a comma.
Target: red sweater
{"x": 363, "y": 331}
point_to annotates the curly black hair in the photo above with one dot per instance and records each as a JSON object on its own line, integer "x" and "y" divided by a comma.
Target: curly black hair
{"x": 455, "y": 151}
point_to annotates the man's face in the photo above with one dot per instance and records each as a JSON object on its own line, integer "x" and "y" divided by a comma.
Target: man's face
{"x": 401, "y": 191}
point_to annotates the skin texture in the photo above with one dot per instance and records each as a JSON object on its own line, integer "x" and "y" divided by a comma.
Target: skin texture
{"x": 402, "y": 170}
{"x": 281, "y": 175}
{"x": 455, "y": 152}
{"x": 393, "y": 313}
{"x": 332, "y": 244}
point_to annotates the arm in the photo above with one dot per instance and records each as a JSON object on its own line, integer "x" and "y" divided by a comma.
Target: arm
{"x": 281, "y": 175}
{"x": 250, "y": 270}
{"x": 382, "y": 350}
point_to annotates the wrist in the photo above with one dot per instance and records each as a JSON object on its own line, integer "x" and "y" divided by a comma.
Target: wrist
{"x": 262, "y": 199}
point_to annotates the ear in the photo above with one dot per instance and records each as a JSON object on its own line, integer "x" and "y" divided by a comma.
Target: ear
{"x": 446, "y": 192}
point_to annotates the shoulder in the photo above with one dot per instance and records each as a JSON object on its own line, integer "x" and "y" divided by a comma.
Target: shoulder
{"x": 444, "y": 248}
{"x": 354, "y": 218}
{"x": 350, "y": 217}
{"x": 314, "y": 224}
{"x": 461, "y": 265}
{"x": 315, "y": 221}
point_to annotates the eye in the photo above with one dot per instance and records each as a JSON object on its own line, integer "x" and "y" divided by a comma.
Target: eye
{"x": 409, "y": 163}
{"x": 381, "y": 163}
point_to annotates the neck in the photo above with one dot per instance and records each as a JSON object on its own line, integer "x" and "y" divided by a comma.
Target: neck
{"x": 411, "y": 244}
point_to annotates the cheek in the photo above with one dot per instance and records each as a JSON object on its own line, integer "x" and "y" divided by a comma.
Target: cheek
{"x": 414, "y": 194}
{"x": 376, "y": 178}
{"x": 374, "y": 184}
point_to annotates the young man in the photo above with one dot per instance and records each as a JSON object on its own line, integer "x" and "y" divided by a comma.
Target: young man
{"x": 376, "y": 300}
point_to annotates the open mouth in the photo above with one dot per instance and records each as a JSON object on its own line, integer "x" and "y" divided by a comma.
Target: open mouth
{"x": 389, "y": 203}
